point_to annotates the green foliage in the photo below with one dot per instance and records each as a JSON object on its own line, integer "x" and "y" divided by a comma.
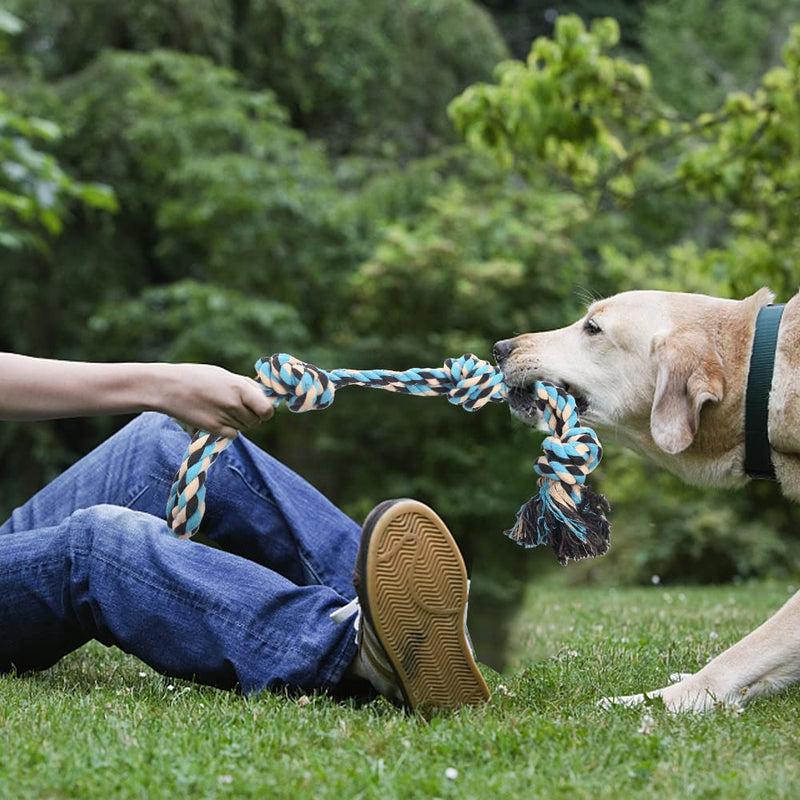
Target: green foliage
{"x": 363, "y": 75}
{"x": 701, "y": 50}
{"x": 445, "y": 280}
{"x": 459, "y": 266}
{"x": 566, "y": 107}
{"x": 192, "y": 154}
{"x": 722, "y": 186}
{"x": 593, "y": 121}
{"x": 188, "y": 321}
{"x": 36, "y": 194}
{"x": 163, "y": 129}
{"x": 62, "y": 38}
{"x": 369, "y": 75}
{"x": 522, "y": 21}
{"x": 685, "y": 534}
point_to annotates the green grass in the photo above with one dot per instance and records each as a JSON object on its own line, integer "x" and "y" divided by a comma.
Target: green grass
{"x": 101, "y": 725}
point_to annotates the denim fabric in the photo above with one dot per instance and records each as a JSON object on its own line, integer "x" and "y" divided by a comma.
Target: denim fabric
{"x": 90, "y": 557}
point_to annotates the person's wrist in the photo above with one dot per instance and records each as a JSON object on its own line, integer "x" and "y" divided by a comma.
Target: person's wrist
{"x": 156, "y": 384}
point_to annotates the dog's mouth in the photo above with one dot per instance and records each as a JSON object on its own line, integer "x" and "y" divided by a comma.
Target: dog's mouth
{"x": 523, "y": 405}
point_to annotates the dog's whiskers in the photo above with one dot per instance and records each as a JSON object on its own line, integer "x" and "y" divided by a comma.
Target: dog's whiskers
{"x": 586, "y": 295}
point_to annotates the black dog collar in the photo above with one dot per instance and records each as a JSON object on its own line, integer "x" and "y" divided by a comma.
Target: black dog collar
{"x": 757, "y": 461}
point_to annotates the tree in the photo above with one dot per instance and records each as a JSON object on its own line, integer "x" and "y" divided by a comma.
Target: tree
{"x": 366, "y": 76}
{"x": 213, "y": 182}
{"x": 522, "y": 21}
{"x": 700, "y": 50}
{"x": 238, "y": 233}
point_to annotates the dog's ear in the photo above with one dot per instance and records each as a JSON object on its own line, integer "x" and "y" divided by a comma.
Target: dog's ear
{"x": 689, "y": 374}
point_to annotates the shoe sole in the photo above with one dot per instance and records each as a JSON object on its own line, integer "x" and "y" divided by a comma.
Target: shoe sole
{"x": 416, "y": 587}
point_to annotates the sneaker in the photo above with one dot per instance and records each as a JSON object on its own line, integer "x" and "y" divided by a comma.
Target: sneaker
{"x": 411, "y": 587}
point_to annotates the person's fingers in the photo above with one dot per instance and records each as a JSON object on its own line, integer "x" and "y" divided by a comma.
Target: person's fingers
{"x": 235, "y": 403}
{"x": 244, "y": 420}
{"x": 243, "y": 417}
{"x": 226, "y": 428}
{"x": 257, "y": 402}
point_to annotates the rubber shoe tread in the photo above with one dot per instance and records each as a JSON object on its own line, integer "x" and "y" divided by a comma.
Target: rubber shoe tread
{"x": 412, "y": 585}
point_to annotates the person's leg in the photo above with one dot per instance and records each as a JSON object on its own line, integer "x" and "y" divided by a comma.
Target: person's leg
{"x": 188, "y": 610}
{"x": 261, "y": 509}
{"x": 118, "y": 472}
{"x": 256, "y": 506}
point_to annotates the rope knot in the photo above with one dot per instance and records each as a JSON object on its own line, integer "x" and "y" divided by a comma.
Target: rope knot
{"x": 475, "y": 382}
{"x": 570, "y": 459}
{"x": 566, "y": 514}
{"x": 300, "y": 385}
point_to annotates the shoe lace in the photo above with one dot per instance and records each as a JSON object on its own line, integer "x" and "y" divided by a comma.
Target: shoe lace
{"x": 353, "y": 608}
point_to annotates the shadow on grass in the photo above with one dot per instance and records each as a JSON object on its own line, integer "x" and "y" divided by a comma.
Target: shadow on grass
{"x": 501, "y": 572}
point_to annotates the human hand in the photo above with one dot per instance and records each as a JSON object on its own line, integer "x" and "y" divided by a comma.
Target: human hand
{"x": 212, "y": 398}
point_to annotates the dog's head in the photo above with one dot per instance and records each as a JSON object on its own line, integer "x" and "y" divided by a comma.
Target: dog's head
{"x": 643, "y": 362}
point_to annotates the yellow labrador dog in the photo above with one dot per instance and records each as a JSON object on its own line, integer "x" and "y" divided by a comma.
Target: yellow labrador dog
{"x": 667, "y": 374}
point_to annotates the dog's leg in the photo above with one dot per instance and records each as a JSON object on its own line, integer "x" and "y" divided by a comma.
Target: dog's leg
{"x": 764, "y": 661}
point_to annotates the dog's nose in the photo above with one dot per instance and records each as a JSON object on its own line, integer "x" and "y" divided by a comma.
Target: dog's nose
{"x": 502, "y": 350}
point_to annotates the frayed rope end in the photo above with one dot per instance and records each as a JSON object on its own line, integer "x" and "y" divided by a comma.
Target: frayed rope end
{"x": 574, "y": 531}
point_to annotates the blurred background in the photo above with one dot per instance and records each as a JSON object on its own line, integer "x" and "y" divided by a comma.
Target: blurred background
{"x": 386, "y": 183}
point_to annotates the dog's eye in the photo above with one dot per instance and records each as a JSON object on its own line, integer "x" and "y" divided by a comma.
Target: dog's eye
{"x": 591, "y": 327}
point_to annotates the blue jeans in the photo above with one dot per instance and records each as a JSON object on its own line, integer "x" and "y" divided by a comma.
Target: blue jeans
{"x": 90, "y": 557}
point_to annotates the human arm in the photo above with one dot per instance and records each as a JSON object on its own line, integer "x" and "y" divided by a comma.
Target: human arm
{"x": 201, "y": 395}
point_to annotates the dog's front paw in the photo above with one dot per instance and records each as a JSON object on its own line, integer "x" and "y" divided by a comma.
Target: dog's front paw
{"x": 645, "y": 698}
{"x": 688, "y": 694}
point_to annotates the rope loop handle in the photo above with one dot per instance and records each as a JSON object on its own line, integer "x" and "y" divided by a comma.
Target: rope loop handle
{"x": 565, "y": 514}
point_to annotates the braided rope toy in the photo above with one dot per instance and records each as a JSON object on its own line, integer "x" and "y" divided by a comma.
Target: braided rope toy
{"x": 566, "y": 513}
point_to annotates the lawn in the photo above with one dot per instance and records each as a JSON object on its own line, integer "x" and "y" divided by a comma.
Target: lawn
{"x": 101, "y": 725}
